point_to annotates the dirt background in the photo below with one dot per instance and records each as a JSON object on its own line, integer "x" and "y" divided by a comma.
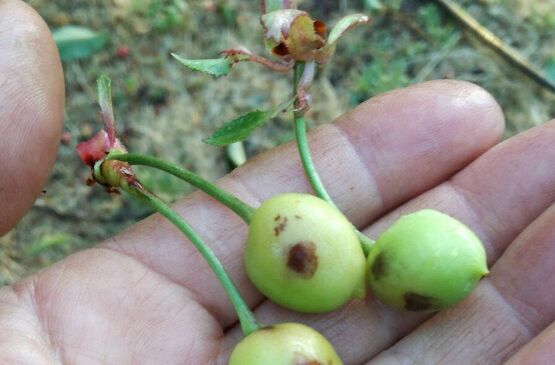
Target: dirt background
{"x": 163, "y": 109}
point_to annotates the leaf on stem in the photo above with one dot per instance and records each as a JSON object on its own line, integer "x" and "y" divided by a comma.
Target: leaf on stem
{"x": 77, "y": 42}
{"x": 346, "y": 23}
{"x": 241, "y": 127}
{"x": 104, "y": 90}
{"x": 215, "y": 67}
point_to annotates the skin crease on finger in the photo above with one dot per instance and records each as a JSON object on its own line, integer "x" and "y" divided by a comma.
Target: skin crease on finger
{"x": 31, "y": 113}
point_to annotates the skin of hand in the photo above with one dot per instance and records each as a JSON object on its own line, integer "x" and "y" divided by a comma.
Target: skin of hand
{"x": 146, "y": 296}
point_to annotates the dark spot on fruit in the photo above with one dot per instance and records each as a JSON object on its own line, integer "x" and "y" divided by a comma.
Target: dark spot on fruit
{"x": 298, "y": 216}
{"x": 277, "y": 218}
{"x": 281, "y": 225}
{"x": 379, "y": 266}
{"x": 301, "y": 359}
{"x": 416, "y": 302}
{"x": 302, "y": 259}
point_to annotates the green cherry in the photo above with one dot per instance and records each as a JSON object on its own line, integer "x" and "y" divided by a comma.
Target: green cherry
{"x": 285, "y": 344}
{"x": 303, "y": 254}
{"x": 425, "y": 261}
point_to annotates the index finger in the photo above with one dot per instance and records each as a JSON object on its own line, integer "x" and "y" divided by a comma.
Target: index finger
{"x": 31, "y": 107}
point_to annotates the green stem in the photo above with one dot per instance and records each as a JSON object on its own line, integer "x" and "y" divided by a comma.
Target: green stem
{"x": 302, "y": 144}
{"x": 241, "y": 208}
{"x": 308, "y": 164}
{"x": 249, "y": 323}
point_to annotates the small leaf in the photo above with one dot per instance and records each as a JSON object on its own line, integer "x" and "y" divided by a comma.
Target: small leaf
{"x": 337, "y": 32}
{"x": 215, "y": 67}
{"x": 345, "y": 24}
{"x": 241, "y": 127}
{"x": 77, "y": 42}
{"x": 104, "y": 90}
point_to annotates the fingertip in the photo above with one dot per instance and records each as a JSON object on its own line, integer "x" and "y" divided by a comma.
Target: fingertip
{"x": 31, "y": 108}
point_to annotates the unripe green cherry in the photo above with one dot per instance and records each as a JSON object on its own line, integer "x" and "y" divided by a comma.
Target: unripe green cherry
{"x": 285, "y": 344}
{"x": 425, "y": 261}
{"x": 303, "y": 254}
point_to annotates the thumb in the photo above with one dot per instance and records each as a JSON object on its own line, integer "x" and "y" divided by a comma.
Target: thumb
{"x": 31, "y": 108}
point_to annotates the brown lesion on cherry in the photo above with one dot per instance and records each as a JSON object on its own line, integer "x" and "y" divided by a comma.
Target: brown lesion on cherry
{"x": 379, "y": 266}
{"x": 308, "y": 362}
{"x": 281, "y": 224}
{"x": 417, "y": 302}
{"x": 302, "y": 259}
{"x": 301, "y": 359}
{"x": 298, "y": 216}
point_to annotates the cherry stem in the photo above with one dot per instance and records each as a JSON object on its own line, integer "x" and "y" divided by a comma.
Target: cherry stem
{"x": 248, "y": 321}
{"x": 307, "y": 162}
{"x": 241, "y": 208}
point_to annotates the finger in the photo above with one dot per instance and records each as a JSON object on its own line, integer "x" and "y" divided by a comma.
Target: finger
{"x": 393, "y": 147}
{"x": 489, "y": 182}
{"x": 540, "y": 351}
{"x": 510, "y": 307}
{"x": 31, "y": 107}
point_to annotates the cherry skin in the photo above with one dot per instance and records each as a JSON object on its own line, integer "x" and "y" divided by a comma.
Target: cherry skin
{"x": 284, "y": 344}
{"x": 425, "y": 261}
{"x": 303, "y": 254}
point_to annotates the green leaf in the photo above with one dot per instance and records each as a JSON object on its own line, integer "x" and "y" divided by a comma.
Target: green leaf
{"x": 77, "y": 42}
{"x": 215, "y": 67}
{"x": 241, "y": 127}
{"x": 344, "y": 25}
{"x": 104, "y": 92}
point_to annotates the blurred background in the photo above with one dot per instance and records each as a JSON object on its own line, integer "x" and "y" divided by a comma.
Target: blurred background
{"x": 163, "y": 109}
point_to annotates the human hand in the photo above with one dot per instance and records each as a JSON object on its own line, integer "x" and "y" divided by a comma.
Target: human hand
{"x": 147, "y": 297}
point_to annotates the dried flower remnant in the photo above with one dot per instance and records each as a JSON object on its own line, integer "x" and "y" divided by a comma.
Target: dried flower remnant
{"x": 292, "y": 34}
{"x": 93, "y": 152}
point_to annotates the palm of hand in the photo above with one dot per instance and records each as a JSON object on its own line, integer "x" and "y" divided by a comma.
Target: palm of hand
{"x": 147, "y": 297}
